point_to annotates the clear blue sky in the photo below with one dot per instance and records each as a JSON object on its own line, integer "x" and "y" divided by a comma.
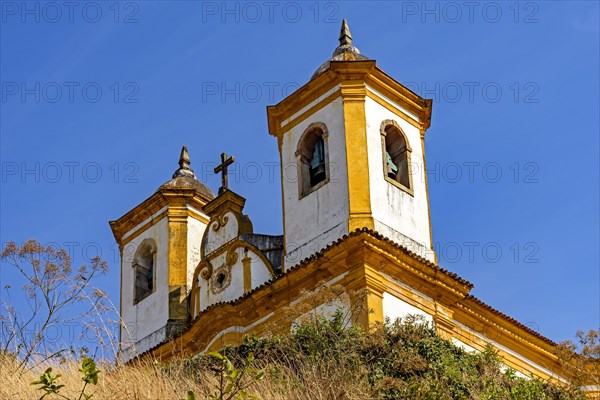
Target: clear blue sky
{"x": 97, "y": 101}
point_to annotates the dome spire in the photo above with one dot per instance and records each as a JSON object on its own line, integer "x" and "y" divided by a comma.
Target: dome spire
{"x": 346, "y": 51}
{"x": 345, "y": 35}
{"x": 184, "y": 164}
{"x": 346, "y": 48}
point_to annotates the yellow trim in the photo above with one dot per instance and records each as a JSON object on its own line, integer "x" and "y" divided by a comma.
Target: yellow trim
{"x": 383, "y": 137}
{"x": 238, "y": 243}
{"x": 247, "y": 274}
{"x": 402, "y": 96}
{"x": 341, "y": 71}
{"x": 163, "y": 197}
{"x": 282, "y": 206}
{"x": 361, "y": 261}
{"x": 299, "y": 99}
{"x": 143, "y": 228}
{"x": 228, "y": 202}
{"x": 177, "y": 257}
{"x": 357, "y": 158}
{"x": 390, "y": 107}
{"x": 435, "y": 258}
{"x": 311, "y": 111}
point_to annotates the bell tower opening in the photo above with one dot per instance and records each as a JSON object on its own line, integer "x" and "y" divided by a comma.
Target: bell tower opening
{"x": 312, "y": 158}
{"x": 356, "y": 136}
{"x": 144, "y": 266}
{"x": 159, "y": 244}
{"x": 317, "y": 163}
{"x": 396, "y": 155}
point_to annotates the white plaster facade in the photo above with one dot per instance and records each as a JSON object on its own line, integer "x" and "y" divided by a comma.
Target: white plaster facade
{"x": 235, "y": 266}
{"x": 146, "y": 321}
{"x": 196, "y": 230}
{"x": 234, "y": 288}
{"x": 327, "y": 311}
{"x": 394, "y": 308}
{"x": 221, "y": 232}
{"x": 399, "y": 215}
{"x": 150, "y": 314}
{"x": 316, "y": 220}
{"x": 313, "y": 221}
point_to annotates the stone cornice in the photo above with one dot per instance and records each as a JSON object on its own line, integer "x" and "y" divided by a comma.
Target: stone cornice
{"x": 346, "y": 72}
{"x": 187, "y": 198}
{"x": 360, "y": 254}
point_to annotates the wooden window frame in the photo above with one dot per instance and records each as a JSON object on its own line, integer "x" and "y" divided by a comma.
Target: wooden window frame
{"x": 303, "y": 156}
{"x": 385, "y": 125}
{"x": 136, "y": 266}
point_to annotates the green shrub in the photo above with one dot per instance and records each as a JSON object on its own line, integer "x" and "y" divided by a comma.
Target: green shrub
{"x": 397, "y": 360}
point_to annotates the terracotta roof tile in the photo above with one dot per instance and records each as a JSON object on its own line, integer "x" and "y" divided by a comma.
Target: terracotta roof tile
{"x": 379, "y": 236}
{"x": 510, "y": 319}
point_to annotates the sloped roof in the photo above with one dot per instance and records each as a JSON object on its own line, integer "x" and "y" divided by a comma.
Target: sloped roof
{"x": 468, "y": 299}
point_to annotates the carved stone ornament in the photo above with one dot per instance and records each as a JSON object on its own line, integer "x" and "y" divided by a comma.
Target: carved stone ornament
{"x": 219, "y": 222}
{"x": 220, "y": 279}
{"x": 206, "y": 269}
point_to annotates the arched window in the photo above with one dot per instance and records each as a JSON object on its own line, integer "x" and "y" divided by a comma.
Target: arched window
{"x": 396, "y": 155}
{"x": 144, "y": 265}
{"x": 312, "y": 157}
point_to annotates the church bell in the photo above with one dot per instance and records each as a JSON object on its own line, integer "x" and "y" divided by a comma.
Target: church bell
{"x": 317, "y": 174}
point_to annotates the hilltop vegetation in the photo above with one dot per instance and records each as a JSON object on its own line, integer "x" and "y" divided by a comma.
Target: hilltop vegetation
{"x": 320, "y": 359}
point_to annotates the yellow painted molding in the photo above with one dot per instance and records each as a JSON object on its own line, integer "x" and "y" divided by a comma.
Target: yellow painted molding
{"x": 422, "y": 132}
{"x": 390, "y": 107}
{"x": 339, "y": 72}
{"x": 163, "y": 197}
{"x": 355, "y": 127}
{"x": 365, "y": 260}
{"x": 311, "y": 111}
{"x": 141, "y": 229}
{"x": 247, "y": 274}
{"x": 177, "y": 253}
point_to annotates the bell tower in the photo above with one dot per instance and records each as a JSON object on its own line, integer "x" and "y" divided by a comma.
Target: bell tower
{"x": 159, "y": 242}
{"x": 351, "y": 145}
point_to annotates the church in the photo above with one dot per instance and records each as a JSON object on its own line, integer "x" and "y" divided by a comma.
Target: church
{"x": 195, "y": 276}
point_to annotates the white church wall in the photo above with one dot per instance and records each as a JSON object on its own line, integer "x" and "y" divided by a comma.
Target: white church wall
{"x": 534, "y": 368}
{"x": 260, "y": 273}
{"x": 223, "y": 234}
{"x": 394, "y": 308}
{"x": 519, "y": 374}
{"x": 470, "y": 349}
{"x": 327, "y": 311}
{"x": 196, "y": 230}
{"x": 203, "y": 293}
{"x": 150, "y": 314}
{"x": 463, "y": 345}
{"x": 235, "y": 285}
{"x": 319, "y": 218}
{"x": 234, "y": 288}
{"x": 398, "y": 215}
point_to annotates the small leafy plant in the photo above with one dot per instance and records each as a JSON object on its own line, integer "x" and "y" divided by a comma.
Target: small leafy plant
{"x": 233, "y": 382}
{"x": 90, "y": 376}
{"x": 48, "y": 382}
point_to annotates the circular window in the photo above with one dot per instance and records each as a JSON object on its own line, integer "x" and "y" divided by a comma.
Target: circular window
{"x": 220, "y": 280}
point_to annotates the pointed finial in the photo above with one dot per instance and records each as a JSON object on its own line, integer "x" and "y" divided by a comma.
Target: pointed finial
{"x": 184, "y": 164}
{"x": 184, "y": 158}
{"x": 345, "y": 35}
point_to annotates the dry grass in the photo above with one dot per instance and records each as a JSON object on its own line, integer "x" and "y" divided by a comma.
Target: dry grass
{"x": 143, "y": 381}
{"x": 321, "y": 358}
{"x": 149, "y": 380}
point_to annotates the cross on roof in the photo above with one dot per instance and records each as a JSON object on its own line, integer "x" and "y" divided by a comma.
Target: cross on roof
{"x": 225, "y": 162}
